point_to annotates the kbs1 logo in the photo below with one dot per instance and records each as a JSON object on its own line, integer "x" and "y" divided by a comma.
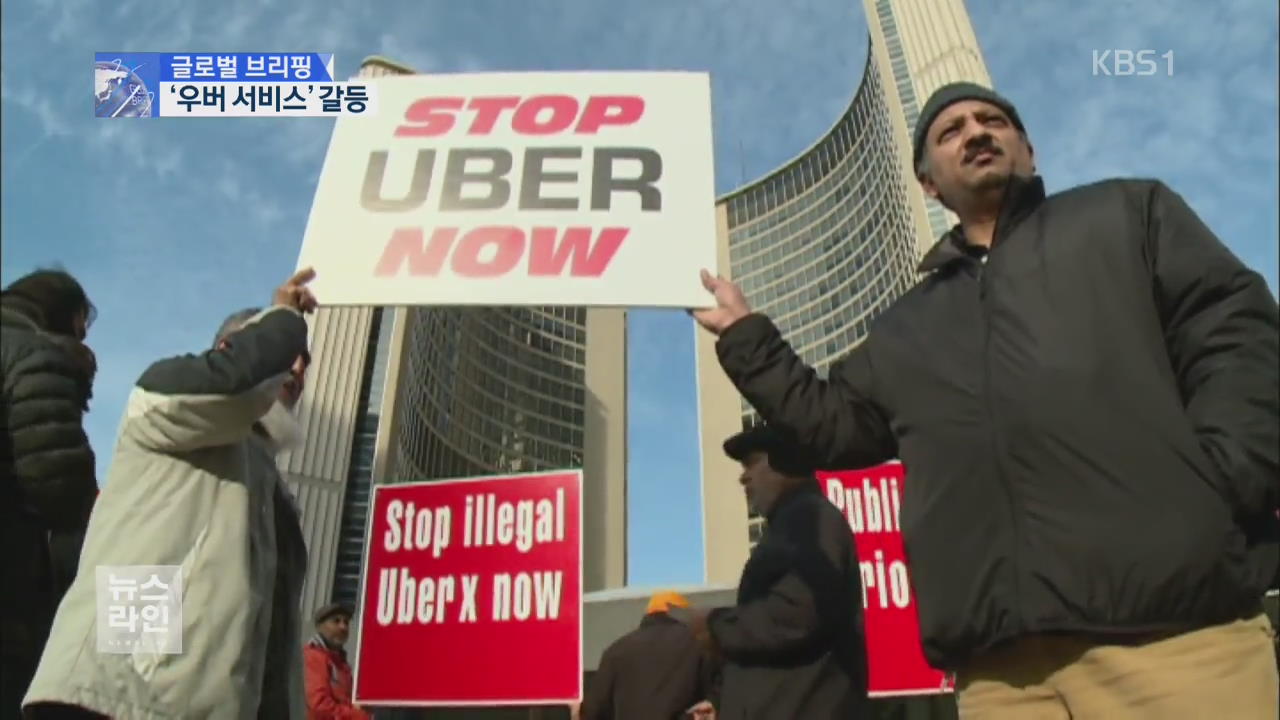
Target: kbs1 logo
{"x": 1120, "y": 63}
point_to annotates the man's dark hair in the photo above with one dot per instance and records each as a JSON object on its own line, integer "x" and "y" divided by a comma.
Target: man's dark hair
{"x": 56, "y": 296}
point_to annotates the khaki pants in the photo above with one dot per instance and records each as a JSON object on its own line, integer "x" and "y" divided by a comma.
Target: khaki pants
{"x": 1217, "y": 673}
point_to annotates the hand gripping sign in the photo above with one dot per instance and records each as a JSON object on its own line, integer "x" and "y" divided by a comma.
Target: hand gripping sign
{"x": 870, "y": 500}
{"x": 472, "y": 593}
{"x": 589, "y": 189}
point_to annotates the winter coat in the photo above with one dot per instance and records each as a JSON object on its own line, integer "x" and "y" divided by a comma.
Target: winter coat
{"x": 654, "y": 672}
{"x": 794, "y": 645}
{"x": 1087, "y": 416}
{"x": 64, "y": 546}
{"x": 194, "y": 484}
{"x": 329, "y": 683}
{"x": 48, "y": 482}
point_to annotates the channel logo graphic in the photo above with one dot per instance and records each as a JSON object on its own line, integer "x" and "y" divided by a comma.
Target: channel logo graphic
{"x": 224, "y": 85}
{"x": 125, "y": 84}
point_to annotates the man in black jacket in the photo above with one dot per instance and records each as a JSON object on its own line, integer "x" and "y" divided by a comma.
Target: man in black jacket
{"x": 793, "y": 646}
{"x": 1084, "y": 391}
{"x": 655, "y": 672}
{"x": 48, "y": 466}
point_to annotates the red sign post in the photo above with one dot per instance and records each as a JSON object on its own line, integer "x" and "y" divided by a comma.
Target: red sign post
{"x": 472, "y": 593}
{"x": 870, "y": 500}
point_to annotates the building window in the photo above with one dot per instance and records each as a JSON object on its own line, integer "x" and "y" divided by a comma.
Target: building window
{"x": 355, "y": 501}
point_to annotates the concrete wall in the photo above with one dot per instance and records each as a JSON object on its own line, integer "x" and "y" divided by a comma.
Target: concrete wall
{"x": 604, "y": 501}
{"x": 316, "y": 471}
{"x": 724, "y": 507}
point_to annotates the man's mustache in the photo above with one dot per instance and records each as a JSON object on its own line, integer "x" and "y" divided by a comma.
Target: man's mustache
{"x": 979, "y": 145}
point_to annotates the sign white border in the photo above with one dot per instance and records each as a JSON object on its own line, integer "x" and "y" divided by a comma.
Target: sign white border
{"x": 657, "y": 265}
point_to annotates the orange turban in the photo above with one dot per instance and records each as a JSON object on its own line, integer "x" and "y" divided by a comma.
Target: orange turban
{"x": 665, "y": 599}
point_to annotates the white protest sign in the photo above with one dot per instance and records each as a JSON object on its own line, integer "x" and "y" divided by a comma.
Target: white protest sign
{"x": 589, "y": 189}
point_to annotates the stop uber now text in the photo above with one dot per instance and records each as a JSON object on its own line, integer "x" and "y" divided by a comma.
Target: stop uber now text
{"x": 873, "y": 507}
{"x": 487, "y": 522}
{"x": 488, "y": 251}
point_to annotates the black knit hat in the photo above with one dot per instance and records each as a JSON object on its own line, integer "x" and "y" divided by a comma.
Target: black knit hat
{"x": 951, "y": 94}
{"x": 784, "y": 455}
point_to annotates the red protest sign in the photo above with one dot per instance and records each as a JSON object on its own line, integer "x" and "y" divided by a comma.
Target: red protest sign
{"x": 870, "y": 500}
{"x": 472, "y": 593}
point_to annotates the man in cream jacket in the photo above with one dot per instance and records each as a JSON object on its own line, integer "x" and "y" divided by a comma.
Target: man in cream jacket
{"x": 194, "y": 484}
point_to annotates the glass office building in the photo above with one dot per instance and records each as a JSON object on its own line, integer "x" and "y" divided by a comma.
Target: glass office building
{"x": 495, "y": 390}
{"x": 830, "y": 239}
{"x": 824, "y": 244}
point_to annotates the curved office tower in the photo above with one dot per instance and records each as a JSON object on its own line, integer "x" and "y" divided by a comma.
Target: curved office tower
{"x": 828, "y": 240}
{"x": 502, "y": 389}
{"x": 400, "y": 394}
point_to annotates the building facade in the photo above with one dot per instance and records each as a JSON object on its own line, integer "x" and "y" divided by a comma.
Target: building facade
{"x": 400, "y": 394}
{"x": 828, "y": 240}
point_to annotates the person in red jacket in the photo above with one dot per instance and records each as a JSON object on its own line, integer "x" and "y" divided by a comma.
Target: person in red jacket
{"x": 328, "y": 675}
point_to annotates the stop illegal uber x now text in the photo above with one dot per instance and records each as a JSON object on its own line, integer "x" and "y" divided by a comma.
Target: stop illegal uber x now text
{"x": 513, "y": 593}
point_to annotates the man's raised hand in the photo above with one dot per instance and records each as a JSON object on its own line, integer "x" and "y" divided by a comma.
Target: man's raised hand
{"x": 731, "y": 304}
{"x": 294, "y": 293}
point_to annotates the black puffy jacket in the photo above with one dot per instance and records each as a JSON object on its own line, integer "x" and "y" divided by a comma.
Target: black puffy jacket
{"x": 1088, "y": 416}
{"x": 48, "y": 481}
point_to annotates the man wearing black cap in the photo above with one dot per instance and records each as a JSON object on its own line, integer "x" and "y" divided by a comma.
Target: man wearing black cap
{"x": 793, "y": 644}
{"x": 1083, "y": 389}
{"x": 328, "y": 674}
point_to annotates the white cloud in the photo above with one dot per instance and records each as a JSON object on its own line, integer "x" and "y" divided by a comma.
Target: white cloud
{"x": 303, "y": 142}
{"x": 121, "y": 143}
{"x": 392, "y": 47}
{"x": 244, "y": 194}
{"x": 1208, "y": 130}
{"x": 67, "y": 20}
{"x": 31, "y": 99}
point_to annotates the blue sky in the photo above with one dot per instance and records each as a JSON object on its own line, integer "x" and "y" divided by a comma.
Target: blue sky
{"x": 171, "y": 224}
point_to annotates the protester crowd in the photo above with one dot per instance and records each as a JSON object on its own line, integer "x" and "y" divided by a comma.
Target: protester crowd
{"x": 1084, "y": 387}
